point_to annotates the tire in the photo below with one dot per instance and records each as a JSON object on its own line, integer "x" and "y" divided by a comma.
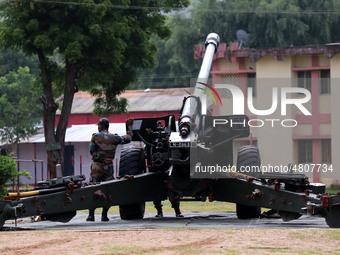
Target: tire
{"x": 132, "y": 212}
{"x": 333, "y": 216}
{"x": 248, "y": 156}
{"x": 132, "y": 163}
{"x": 244, "y": 212}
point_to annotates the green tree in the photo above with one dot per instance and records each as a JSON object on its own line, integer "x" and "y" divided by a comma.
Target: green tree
{"x": 8, "y": 171}
{"x": 269, "y": 23}
{"x": 278, "y": 23}
{"x": 175, "y": 55}
{"x": 169, "y": 73}
{"x": 20, "y": 109}
{"x": 101, "y": 43}
{"x": 11, "y": 60}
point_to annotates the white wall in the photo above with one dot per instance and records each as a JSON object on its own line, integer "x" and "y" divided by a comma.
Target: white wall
{"x": 82, "y": 149}
{"x": 26, "y": 155}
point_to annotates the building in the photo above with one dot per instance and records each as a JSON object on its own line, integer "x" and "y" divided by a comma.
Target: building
{"x": 141, "y": 104}
{"x": 31, "y": 154}
{"x": 312, "y": 145}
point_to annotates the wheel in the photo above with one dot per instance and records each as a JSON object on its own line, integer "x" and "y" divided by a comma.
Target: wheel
{"x": 132, "y": 163}
{"x": 333, "y": 217}
{"x": 132, "y": 212}
{"x": 248, "y": 156}
{"x": 247, "y": 212}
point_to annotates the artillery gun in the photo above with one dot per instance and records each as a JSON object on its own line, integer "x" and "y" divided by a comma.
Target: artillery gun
{"x": 174, "y": 155}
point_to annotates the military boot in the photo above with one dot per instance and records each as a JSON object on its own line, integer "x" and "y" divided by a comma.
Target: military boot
{"x": 158, "y": 205}
{"x": 175, "y": 205}
{"x": 159, "y": 212}
{"x": 91, "y": 215}
{"x": 104, "y": 214}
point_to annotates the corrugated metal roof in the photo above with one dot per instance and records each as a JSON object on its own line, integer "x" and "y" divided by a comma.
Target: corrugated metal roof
{"x": 138, "y": 100}
{"x": 79, "y": 133}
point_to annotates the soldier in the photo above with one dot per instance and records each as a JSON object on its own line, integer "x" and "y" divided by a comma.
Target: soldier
{"x": 175, "y": 200}
{"x": 102, "y": 148}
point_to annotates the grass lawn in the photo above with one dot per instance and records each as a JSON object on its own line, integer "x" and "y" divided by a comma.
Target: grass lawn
{"x": 332, "y": 191}
{"x": 185, "y": 207}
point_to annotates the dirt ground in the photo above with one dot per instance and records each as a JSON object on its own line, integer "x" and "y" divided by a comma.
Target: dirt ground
{"x": 171, "y": 241}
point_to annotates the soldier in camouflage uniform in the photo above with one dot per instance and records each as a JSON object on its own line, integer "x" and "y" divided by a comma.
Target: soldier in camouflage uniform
{"x": 102, "y": 148}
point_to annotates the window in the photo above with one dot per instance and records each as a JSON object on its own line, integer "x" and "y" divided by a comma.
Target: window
{"x": 304, "y": 80}
{"x": 305, "y": 151}
{"x": 251, "y": 82}
{"x": 325, "y": 84}
{"x": 326, "y": 151}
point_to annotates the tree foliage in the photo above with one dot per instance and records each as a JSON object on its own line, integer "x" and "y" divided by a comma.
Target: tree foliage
{"x": 169, "y": 72}
{"x": 278, "y": 23}
{"x": 101, "y": 44}
{"x": 8, "y": 171}
{"x": 11, "y": 60}
{"x": 269, "y": 23}
{"x": 20, "y": 109}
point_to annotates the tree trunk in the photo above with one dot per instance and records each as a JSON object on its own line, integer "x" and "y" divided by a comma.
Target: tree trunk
{"x": 69, "y": 90}
{"x": 50, "y": 108}
{"x": 55, "y": 139}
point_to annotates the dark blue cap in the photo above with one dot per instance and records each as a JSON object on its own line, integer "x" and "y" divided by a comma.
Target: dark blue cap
{"x": 104, "y": 122}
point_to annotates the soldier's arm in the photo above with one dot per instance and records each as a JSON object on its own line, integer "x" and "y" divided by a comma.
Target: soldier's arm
{"x": 93, "y": 146}
{"x": 125, "y": 139}
{"x": 128, "y": 137}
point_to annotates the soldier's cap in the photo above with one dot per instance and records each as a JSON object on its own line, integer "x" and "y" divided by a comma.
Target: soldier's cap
{"x": 104, "y": 122}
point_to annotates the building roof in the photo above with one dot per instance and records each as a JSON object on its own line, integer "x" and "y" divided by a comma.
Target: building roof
{"x": 149, "y": 100}
{"x": 232, "y": 53}
{"x": 78, "y": 133}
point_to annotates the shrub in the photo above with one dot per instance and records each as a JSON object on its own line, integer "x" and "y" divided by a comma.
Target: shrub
{"x": 8, "y": 172}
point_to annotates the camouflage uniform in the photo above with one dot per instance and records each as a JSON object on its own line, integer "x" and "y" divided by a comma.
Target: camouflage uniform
{"x": 102, "y": 148}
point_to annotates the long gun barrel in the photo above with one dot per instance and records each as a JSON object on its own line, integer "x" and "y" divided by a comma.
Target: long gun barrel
{"x": 190, "y": 112}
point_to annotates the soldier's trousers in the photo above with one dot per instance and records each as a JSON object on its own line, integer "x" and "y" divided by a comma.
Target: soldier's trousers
{"x": 101, "y": 172}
